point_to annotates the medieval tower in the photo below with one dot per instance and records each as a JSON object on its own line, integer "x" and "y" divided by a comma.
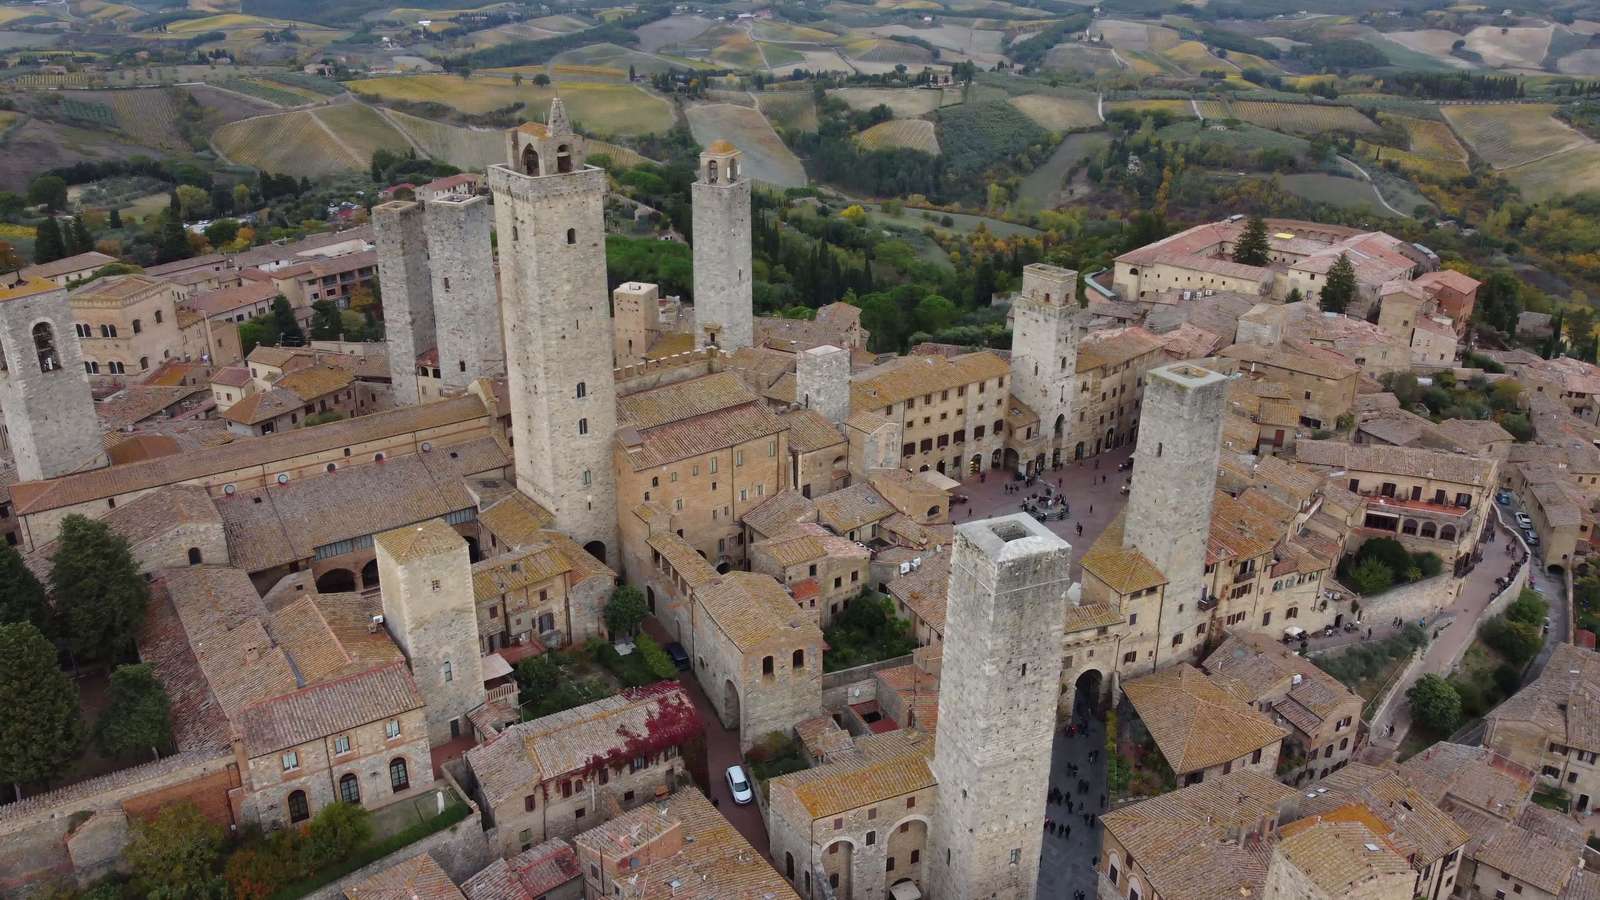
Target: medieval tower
{"x": 1168, "y": 517}
{"x": 407, "y": 286}
{"x": 1044, "y": 351}
{"x": 549, "y": 215}
{"x": 430, "y": 611}
{"x": 44, "y": 394}
{"x": 997, "y": 700}
{"x": 822, "y": 381}
{"x": 635, "y": 315}
{"x": 466, "y": 302}
{"x": 723, "y": 314}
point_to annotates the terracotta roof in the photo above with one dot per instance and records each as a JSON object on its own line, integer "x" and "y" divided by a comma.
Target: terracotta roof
{"x": 418, "y": 878}
{"x": 1294, "y": 358}
{"x": 886, "y": 766}
{"x": 1473, "y": 434}
{"x": 1419, "y": 830}
{"x": 1415, "y": 462}
{"x": 515, "y": 519}
{"x": 810, "y": 431}
{"x": 1114, "y": 346}
{"x": 226, "y": 300}
{"x": 1564, "y": 700}
{"x": 1475, "y": 776}
{"x": 751, "y": 609}
{"x": 1449, "y": 278}
{"x": 313, "y": 712}
{"x": 683, "y": 400}
{"x": 1254, "y": 667}
{"x": 67, "y": 265}
{"x": 529, "y": 875}
{"x": 780, "y": 513}
{"x": 1339, "y": 857}
{"x": 231, "y": 376}
{"x": 704, "y": 433}
{"x": 925, "y": 590}
{"x": 914, "y": 376}
{"x": 1124, "y": 569}
{"x": 1195, "y": 723}
{"x": 852, "y": 507}
{"x": 684, "y": 559}
{"x": 1533, "y": 858}
{"x": 316, "y": 381}
{"x": 430, "y": 538}
{"x": 119, "y": 290}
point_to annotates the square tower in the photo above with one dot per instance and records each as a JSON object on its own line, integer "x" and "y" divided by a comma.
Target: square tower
{"x": 44, "y": 394}
{"x": 403, "y": 276}
{"x": 635, "y": 313}
{"x": 1044, "y": 346}
{"x": 549, "y": 215}
{"x": 466, "y": 300}
{"x": 822, "y": 381}
{"x": 723, "y": 311}
{"x": 431, "y": 612}
{"x": 997, "y": 705}
{"x": 1168, "y": 517}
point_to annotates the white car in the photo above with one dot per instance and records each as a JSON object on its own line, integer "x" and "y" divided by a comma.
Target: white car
{"x": 739, "y": 786}
{"x": 1524, "y": 520}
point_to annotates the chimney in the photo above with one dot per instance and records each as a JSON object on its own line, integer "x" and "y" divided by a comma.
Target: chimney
{"x": 251, "y": 655}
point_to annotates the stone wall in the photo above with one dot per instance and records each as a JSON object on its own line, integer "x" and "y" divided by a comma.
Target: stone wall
{"x": 408, "y": 324}
{"x": 1417, "y": 600}
{"x": 822, "y": 381}
{"x": 49, "y": 415}
{"x": 466, "y": 297}
{"x": 855, "y": 685}
{"x": 722, "y": 269}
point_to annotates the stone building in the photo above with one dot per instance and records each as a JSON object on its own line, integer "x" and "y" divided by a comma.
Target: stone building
{"x": 951, "y": 413}
{"x": 400, "y": 231}
{"x": 549, "y": 215}
{"x": 563, "y": 773}
{"x": 858, "y": 823}
{"x": 997, "y": 706}
{"x": 465, "y": 293}
{"x": 1044, "y": 351}
{"x": 723, "y": 314}
{"x": 549, "y": 593}
{"x": 1322, "y": 381}
{"x": 429, "y": 609}
{"x": 1109, "y": 387}
{"x": 1546, "y": 725}
{"x": 818, "y": 451}
{"x": 1324, "y": 860}
{"x": 69, "y": 270}
{"x": 546, "y": 871}
{"x": 1201, "y": 729}
{"x": 821, "y": 570}
{"x": 635, "y": 321}
{"x": 822, "y": 381}
{"x": 44, "y": 395}
{"x": 757, "y": 654}
{"x": 126, "y": 324}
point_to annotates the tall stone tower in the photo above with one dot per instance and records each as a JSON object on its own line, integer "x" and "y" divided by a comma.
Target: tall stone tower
{"x": 402, "y": 238}
{"x": 1168, "y": 516}
{"x": 430, "y": 611}
{"x": 44, "y": 394}
{"x": 997, "y": 702}
{"x": 466, "y": 301}
{"x": 723, "y": 314}
{"x": 549, "y": 214}
{"x": 635, "y": 312}
{"x": 1044, "y": 349}
{"x": 822, "y": 381}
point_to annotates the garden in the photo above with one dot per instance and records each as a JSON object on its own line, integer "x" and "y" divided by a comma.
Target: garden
{"x": 1135, "y": 767}
{"x": 866, "y": 632}
{"x": 1366, "y": 667}
{"x": 562, "y": 679}
{"x": 1382, "y": 563}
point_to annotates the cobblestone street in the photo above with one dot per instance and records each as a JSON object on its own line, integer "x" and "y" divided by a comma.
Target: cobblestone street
{"x": 1067, "y": 864}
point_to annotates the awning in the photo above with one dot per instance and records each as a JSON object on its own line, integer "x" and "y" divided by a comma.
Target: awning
{"x": 495, "y": 666}
{"x": 905, "y": 890}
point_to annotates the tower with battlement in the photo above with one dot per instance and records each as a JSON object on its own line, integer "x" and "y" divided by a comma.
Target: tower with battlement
{"x": 399, "y": 229}
{"x": 1044, "y": 347}
{"x": 466, "y": 302}
{"x": 549, "y": 218}
{"x": 723, "y": 311}
{"x": 44, "y": 392}
{"x": 997, "y": 700}
{"x": 635, "y": 315}
{"x": 1168, "y": 517}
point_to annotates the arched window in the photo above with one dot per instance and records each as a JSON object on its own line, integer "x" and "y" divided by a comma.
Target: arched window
{"x": 1409, "y": 526}
{"x": 144, "y": 363}
{"x": 1447, "y": 533}
{"x": 583, "y": 426}
{"x": 399, "y": 778}
{"x": 711, "y": 172}
{"x": 583, "y": 390}
{"x": 766, "y": 665}
{"x": 1428, "y": 529}
{"x": 44, "y": 342}
{"x": 788, "y": 866}
{"x": 349, "y": 789}
{"x": 299, "y": 809}
{"x": 530, "y": 160}
{"x": 138, "y": 328}
{"x": 194, "y": 556}
{"x": 572, "y": 235}
{"x": 563, "y": 159}
{"x": 799, "y": 659}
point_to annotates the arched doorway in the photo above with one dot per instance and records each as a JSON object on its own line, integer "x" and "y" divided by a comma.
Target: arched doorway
{"x": 650, "y": 598}
{"x": 837, "y": 859}
{"x": 1077, "y": 452}
{"x": 473, "y": 553}
{"x": 1061, "y": 425}
{"x": 908, "y": 844}
{"x": 369, "y": 575}
{"x": 975, "y": 464}
{"x": 530, "y": 161}
{"x": 1086, "y": 690}
{"x": 336, "y": 581}
{"x": 1010, "y": 460}
{"x": 596, "y": 549}
{"x": 995, "y": 459}
{"x": 730, "y": 705}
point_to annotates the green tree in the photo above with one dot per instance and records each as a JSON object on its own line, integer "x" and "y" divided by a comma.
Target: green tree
{"x": 1529, "y": 608}
{"x": 935, "y": 313}
{"x": 47, "y": 243}
{"x": 242, "y": 202}
{"x": 172, "y": 242}
{"x": 1340, "y": 288}
{"x": 136, "y": 716}
{"x": 22, "y": 597}
{"x": 1435, "y": 703}
{"x": 49, "y": 191}
{"x": 114, "y": 220}
{"x": 175, "y": 855}
{"x": 193, "y": 202}
{"x": 1252, "y": 248}
{"x": 326, "y": 324}
{"x": 99, "y": 592}
{"x": 336, "y": 832}
{"x": 222, "y": 231}
{"x": 1371, "y": 576}
{"x": 40, "y": 731}
{"x": 81, "y": 241}
{"x": 289, "y": 333}
{"x": 625, "y": 610}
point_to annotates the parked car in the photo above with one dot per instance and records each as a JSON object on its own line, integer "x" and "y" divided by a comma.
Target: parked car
{"x": 1525, "y": 521}
{"x": 1292, "y": 634}
{"x": 739, "y": 786}
{"x": 1503, "y": 498}
{"x": 680, "y": 656}
{"x": 1530, "y": 537}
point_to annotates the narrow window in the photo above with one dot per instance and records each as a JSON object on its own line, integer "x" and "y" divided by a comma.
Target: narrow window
{"x": 572, "y": 235}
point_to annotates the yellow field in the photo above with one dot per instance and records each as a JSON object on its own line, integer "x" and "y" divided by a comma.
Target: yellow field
{"x": 7, "y": 119}
{"x": 1193, "y": 56}
{"x": 599, "y": 107}
{"x": 1430, "y": 139}
{"x": 1214, "y": 109}
{"x": 293, "y": 143}
{"x": 912, "y": 134}
{"x": 1569, "y": 172}
{"x": 789, "y": 109}
{"x": 1058, "y": 113}
{"x": 361, "y": 130}
{"x": 224, "y": 22}
{"x": 1174, "y": 107}
{"x": 1512, "y": 134}
{"x": 13, "y": 13}
{"x": 906, "y": 102}
{"x": 1300, "y": 118}
{"x": 11, "y": 232}
{"x": 568, "y": 69}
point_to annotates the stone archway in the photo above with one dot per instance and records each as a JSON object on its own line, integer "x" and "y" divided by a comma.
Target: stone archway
{"x": 1011, "y": 461}
{"x": 908, "y": 847}
{"x": 369, "y": 575}
{"x": 730, "y": 705}
{"x": 1088, "y": 690}
{"x": 838, "y": 861}
{"x": 596, "y": 549}
{"x": 336, "y": 581}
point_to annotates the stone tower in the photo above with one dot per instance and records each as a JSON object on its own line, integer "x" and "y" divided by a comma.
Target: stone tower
{"x": 822, "y": 381}
{"x": 1044, "y": 349}
{"x": 44, "y": 394}
{"x": 466, "y": 301}
{"x": 430, "y": 611}
{"x": 550, "y": 221}
{"x": 1168, "y": 516}
{"x": 997, "y": 703}
{"x": 723, "y": 314}
{"x": 402, "y": 238}
{"x": 635, "y": 312}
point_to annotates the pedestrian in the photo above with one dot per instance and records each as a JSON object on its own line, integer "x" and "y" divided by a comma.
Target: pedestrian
{"x": 1091, "y": 509}
{"x": 1369, "y": 634}
{"x": 1079, "y": 526}
{"x": 1067, "y": 831}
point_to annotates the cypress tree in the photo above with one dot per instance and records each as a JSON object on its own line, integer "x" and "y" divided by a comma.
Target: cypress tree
{"x": 22, "y": 597}
{"x": 98, "y": 589}
{"x": 40, "y": 731}
{"x": 1252, "y": 248}
{"x": 1340, "y": 287}
{"x": 47, "y": 245}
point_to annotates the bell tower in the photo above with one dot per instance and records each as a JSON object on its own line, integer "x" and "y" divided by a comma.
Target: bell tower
{"x": 723, "y": 311}
{"x": 44, "y": 393}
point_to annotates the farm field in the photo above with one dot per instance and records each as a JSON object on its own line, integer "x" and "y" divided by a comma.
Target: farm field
{"x": 979, "y": 45}
{"x": 1333, "y": 190}
{"x": 671, "y": 30}
{"x": 149, "y": 116}
{"x": 1512, "y": 134}
{"x": 598, "y": 107}
{"x": 324, "y": 141}
{"x": 1126, "y": 35}
{"x": 361, "y": 129}
{"x": 911, "y": 134}
{"x": 1039, "y": 188}
{"x": 1058, "y": 113}
{"x": 609, "y": 56}
{"x": 1296, "y": 118}
{"x": 1432, "y": 42}
{"x": 789, "y": 109}
{"x": 907, "y": 103}
{"x": 773, "y": 30}
{"x": 1241, "y": 137}
{"x": 1515, "y": 48}
{"x": 828, "y": 60}
{"x": 1433, "y": 150}
{"x": 766, "y": 157}
{"x": 1072, "y": 56}
{"x": 1195, "y": 58}
{"x": 1177, "y": 108}
{"x": 1569, "y": 172}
